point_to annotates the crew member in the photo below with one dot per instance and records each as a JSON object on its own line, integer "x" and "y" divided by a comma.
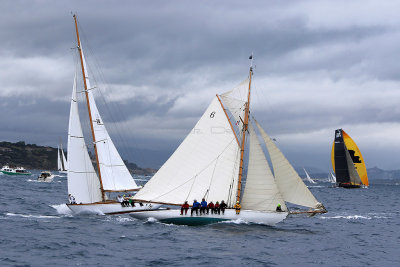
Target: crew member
{"x": 279, "y": 208}
{"x": 216, "y": 208}
{"x": 203, "y": 206}
{"x": 195, "y": 207}
{"x": 71, "y": 199}
{"x": 210, "y": 207}
{"x": 237, "y": 207}
{"x": 185, "y": 208}
{"x": 222, "y": 207}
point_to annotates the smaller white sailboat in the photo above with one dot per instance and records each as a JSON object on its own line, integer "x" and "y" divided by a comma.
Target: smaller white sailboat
{"x": 90, "y": 191}
{"x": 309, "y": 179}
{"x": 45, "y": 176}
{"x": 331, "y": 178}
{"x": 61, "y": 160}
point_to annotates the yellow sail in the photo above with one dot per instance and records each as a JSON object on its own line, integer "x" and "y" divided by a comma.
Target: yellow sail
{"x": 358, "y": 159}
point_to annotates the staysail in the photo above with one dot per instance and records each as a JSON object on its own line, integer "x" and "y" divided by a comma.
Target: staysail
{"x": 83, "y": 182}
{"x": 114, "y": 173}
{"x": 289, "y": 183}
{"x": 261, "y": 192}
{"x": 206, "y": 164}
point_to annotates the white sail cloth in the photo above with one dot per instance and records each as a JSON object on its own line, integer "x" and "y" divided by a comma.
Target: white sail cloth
{"x": 261, "y": 192}
{"x": 83, "y": 183}
{"x": 206, "y": 164}
{"x": 59, "y": 164}
{"x": 114, "y": 174}
{"x": 289, "y": 183}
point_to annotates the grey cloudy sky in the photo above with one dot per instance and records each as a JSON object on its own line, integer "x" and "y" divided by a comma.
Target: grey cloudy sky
{"x": 320, "y": 65}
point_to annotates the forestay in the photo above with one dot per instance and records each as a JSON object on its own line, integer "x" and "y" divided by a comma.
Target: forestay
{"x": 114, "y": 174}
{"x": 83, "y": 183}
{"x": 206, "y": 164}
{"x": 289, "y": 183}
{"x": 261, "y": 192}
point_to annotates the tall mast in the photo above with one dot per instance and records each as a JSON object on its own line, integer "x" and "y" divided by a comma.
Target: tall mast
{"x": 89, "y": 111}
{"x": 244, "y": 130}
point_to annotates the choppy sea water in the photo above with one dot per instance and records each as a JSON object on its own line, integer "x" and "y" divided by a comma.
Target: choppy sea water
{"x": 362, "y": 228}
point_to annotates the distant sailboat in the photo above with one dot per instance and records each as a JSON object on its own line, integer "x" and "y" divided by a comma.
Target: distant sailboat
{"x": 209, "y": 164}
{"x": 308, "y": 177}
{"x": 331, "y": 178}
{"x": 61, "y": 161}
{"x": 347, "y": 162}
{"x": 86, "y": 187}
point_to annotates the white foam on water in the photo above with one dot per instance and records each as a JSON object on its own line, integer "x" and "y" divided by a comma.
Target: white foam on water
{"x": 237, "y": 221}
{"x": 356, "y": 217}
{"x": 151, "y": 220}
{"x": 62, "y": 209}
{"x": 315, "y": 186}
{"x": 32, "y": 216}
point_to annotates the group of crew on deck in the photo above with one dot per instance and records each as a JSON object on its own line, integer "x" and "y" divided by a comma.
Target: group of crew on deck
{"x": 127, "y": 201}
{"x": 205, "y": 208}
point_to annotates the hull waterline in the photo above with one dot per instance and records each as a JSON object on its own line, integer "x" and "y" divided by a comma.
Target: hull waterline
{"x": 173, "y": 216}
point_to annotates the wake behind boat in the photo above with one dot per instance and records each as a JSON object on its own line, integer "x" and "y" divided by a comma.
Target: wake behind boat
{"x": 90, "y": 191}
{"x": 209, "y": 164}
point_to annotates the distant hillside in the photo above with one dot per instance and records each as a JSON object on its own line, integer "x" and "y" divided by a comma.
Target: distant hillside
{"x": 32, "y": 156}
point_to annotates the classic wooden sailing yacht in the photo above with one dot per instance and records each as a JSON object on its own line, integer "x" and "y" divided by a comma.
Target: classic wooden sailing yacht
{"x": 88, "y": 188}
{"x": 347, "y": 162}
{"x": 210, "y": 162}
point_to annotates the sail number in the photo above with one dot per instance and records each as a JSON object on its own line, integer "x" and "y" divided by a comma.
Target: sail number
{"x": 212, "y": 114}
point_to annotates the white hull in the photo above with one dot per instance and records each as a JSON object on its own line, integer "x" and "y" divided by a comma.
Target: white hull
{"x": 249, "y": 216}
{"x": 47, "y": 179}
{"x": 110, "y": 208}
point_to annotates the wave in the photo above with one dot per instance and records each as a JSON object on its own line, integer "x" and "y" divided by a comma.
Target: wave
{"x": 32, "y": 216}
{"x": 315, "y": 186}
{"x": 356, "y": 217}
{"x": 237, "y": 221}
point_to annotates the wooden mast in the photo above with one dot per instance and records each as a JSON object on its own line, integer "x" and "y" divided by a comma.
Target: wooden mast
{"x": 244, "y": 130}
{"x": 88, "y": 106}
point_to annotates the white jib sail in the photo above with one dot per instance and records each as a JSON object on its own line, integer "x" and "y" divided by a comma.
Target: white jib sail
{"x": 308, "y": 177}
{"x": 206, "y": 164}
{"x": 59, "y": 164}
{"x": 289, "y": 183}
{"x": 114, "y": 173}
{"x": 261, "y": 192}
{"x": 83, "y": 182}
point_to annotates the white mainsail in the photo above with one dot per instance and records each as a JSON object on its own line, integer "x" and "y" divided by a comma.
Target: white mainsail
{"x": 64, "y": 160}
{"x": 83, "y": 182}
{"x": 289, "y": 183}
{"x": 114, "y": 173}
{"x": 206, "y": 164}
{"x": 61, "y": 160}
{"x": 308, "y": 177}
{"x": 261, "y": 192}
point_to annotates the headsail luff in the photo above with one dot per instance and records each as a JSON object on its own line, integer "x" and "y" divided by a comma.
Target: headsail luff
{"x": 204, "y": 165}
{"x": 289, "y": 183}
{"x": 83, "y": 182}
{"x": 103, "y": 197}
{"x": 261, "y": 192}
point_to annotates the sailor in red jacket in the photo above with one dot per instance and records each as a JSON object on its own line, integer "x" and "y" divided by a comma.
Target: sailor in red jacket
{"x": 185, "y": 208}
{"x": 210, "y": 207}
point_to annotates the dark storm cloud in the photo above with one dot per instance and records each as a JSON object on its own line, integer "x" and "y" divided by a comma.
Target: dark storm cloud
{"x": 320, "y": 65}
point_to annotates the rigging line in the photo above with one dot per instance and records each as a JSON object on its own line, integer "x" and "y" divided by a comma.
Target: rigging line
{"x": 212, "y": 177}
{"x": 233, "y": 139}
{"x": 190, "y": 188}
